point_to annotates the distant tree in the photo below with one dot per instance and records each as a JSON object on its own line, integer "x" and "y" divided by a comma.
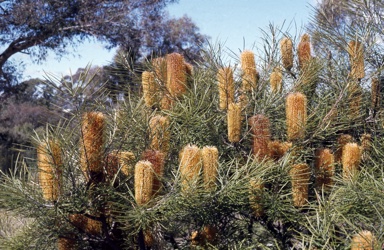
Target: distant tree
{"x": 38, "y": 26}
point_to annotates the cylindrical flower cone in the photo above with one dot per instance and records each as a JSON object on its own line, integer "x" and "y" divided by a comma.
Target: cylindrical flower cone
{"x": 248, "y": 66}
{"x": 350, "y": 160}
{"x": 341, "y": 142}
{"x": 143, "y": 182}
{"x": 86, "y": 224}
{"x": 159, "y": 133}
{"x": 296, "y": 110}
{"x": 150, "y": 88}
{"x": 234, "y": 122}
{"x": 160, "y": 70}
{"x": 278, "y": 149}
{"x": 300, "y": 174}
{"x": 356, "y": 56}
{"x": 210, "y": 158}
{"x": 375, "y": 94}
{"x": 324, "y": 168}
{"x": 49, "y": 163}
{"x": 286, "y": 50}
{"x": 209, "y": 234}
{"x": 304, "y": 51}
{"x": 176, "y": 75}
{"x": 126, "y": 161}
{"x": 276, "y": 80}
{"x": 92, "y": 145}
{"x": 190, "y": 166}
{"x": 355, "y": 100}
{"x": 226, "y": 87}
{"x": 157, "y": 159}
{"x": 364, "y": 240}
{"x": 166, "y": 101}
{"x": 255, "y": 197}
{"x": 66, "y": 244}
{"x": 261, "y": 134}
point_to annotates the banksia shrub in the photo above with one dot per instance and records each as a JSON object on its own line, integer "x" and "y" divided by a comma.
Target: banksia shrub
{"x": 234, "y": 122}
{"x": 278, "y": 149}
{"x": 324, "y": 168}
{"x": 226, "y": 87}
{"x": 276, "y": 80}
{"x": 49, "y": 164}
{"x": 350, "y": 159}
{"x": 342, "y": 140}
{"x": 364, "y": 240}
{"x": 157, "y": 159}
{"x": 304, "y": 51}
{"x": 190, "y": 163}
{"x": 255, "y": 197}
{"x": 300, "y": 174}
{"x": 261, "y": 135}
{"x": 143, "y": 182}
{"x": 150, "y": 88}
{"x": 92, "y": 145}
{"x": 356, "y": 56}
{"x": 286, "y": 50}
{"x": 176, "y": 75}
{"x": 296, "y": 111}
{"x": 248, "y": 67}
{"x": 210, "y": 159}
{"x": 159, "y": 133}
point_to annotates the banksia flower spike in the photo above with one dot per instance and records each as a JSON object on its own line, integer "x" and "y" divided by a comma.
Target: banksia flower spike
{"x": 364, "y": 240}
{"x": 143, "y": 182}
{"x": 341, "y": 142}
{"x": 286, "y": 50}
{"x": 49, "y": 163}
{"x": 157, "y": 159}
{"x": 234, "y": 122}
{"x": 159, "y": 133}
{"x": 278, "y": 149}
{"x": 296, "y": 111}
{"x": 86, "y": 224}
{"x": 375, "y": 94}
{"x": 324, "y": 168}
{"x": 210, "y": 158}
{"x": 276, "y": 80}
{"x": 92, "y": 145}
{"x": 261, "y": 134}
{"x": 248, "y": 66}
{"x": 190, "y": 165}
{"x": 366, "y": 145}
{"x": 188, "y": 69}
{"x": 118, "y": 160}
{"x": 150, "y": 88}
{"x": 64, "y": 243}
{"x": 256, "y": 192}
{"x": 226, "y": 87}
{"x": 356, "y": 56}
{"x": 304, "y": 51}
{"x": 350, "y": 160}
{"x": 300, "y": 174}
{"x": 176, "y": 75}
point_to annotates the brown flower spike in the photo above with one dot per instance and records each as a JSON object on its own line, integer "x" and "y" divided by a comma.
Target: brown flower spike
{"x": 356, "y": 56}
{"x": 143, "y": 182}
{"x": 364, "y": 240}
{"x": 210, "y": 158}
{"x": 157, "y": 159}
{"x": 150, "y": 88}
{"x": 350, "y": 160}
{"x": 226, "y": 87}
{"x": 261, "y": 134}
{"x": 49, "y": 163}
{"x": 248, "y": 67}
{"x": 176, "y": 75}
{"x": 276, "y": 80}
{"x": 304, "y": 51}
{"x": 190, "y": 163}
{"x": 300, "y": 174}
{"x": 159, "y": 133}
{"x": 296, "y": 111}
{"x": 234, "y": 122}
{"x": 256, "y": 192}
{"x": 286, "y": 50}
{"x": 92, "y": 146}
{"x": 324, "y": 168}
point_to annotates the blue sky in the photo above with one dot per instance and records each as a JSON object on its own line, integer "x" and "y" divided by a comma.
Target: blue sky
{"x": 236, "y": 23}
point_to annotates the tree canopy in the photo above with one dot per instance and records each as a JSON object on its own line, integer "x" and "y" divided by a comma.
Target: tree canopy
{"x": 37, "y": 27}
